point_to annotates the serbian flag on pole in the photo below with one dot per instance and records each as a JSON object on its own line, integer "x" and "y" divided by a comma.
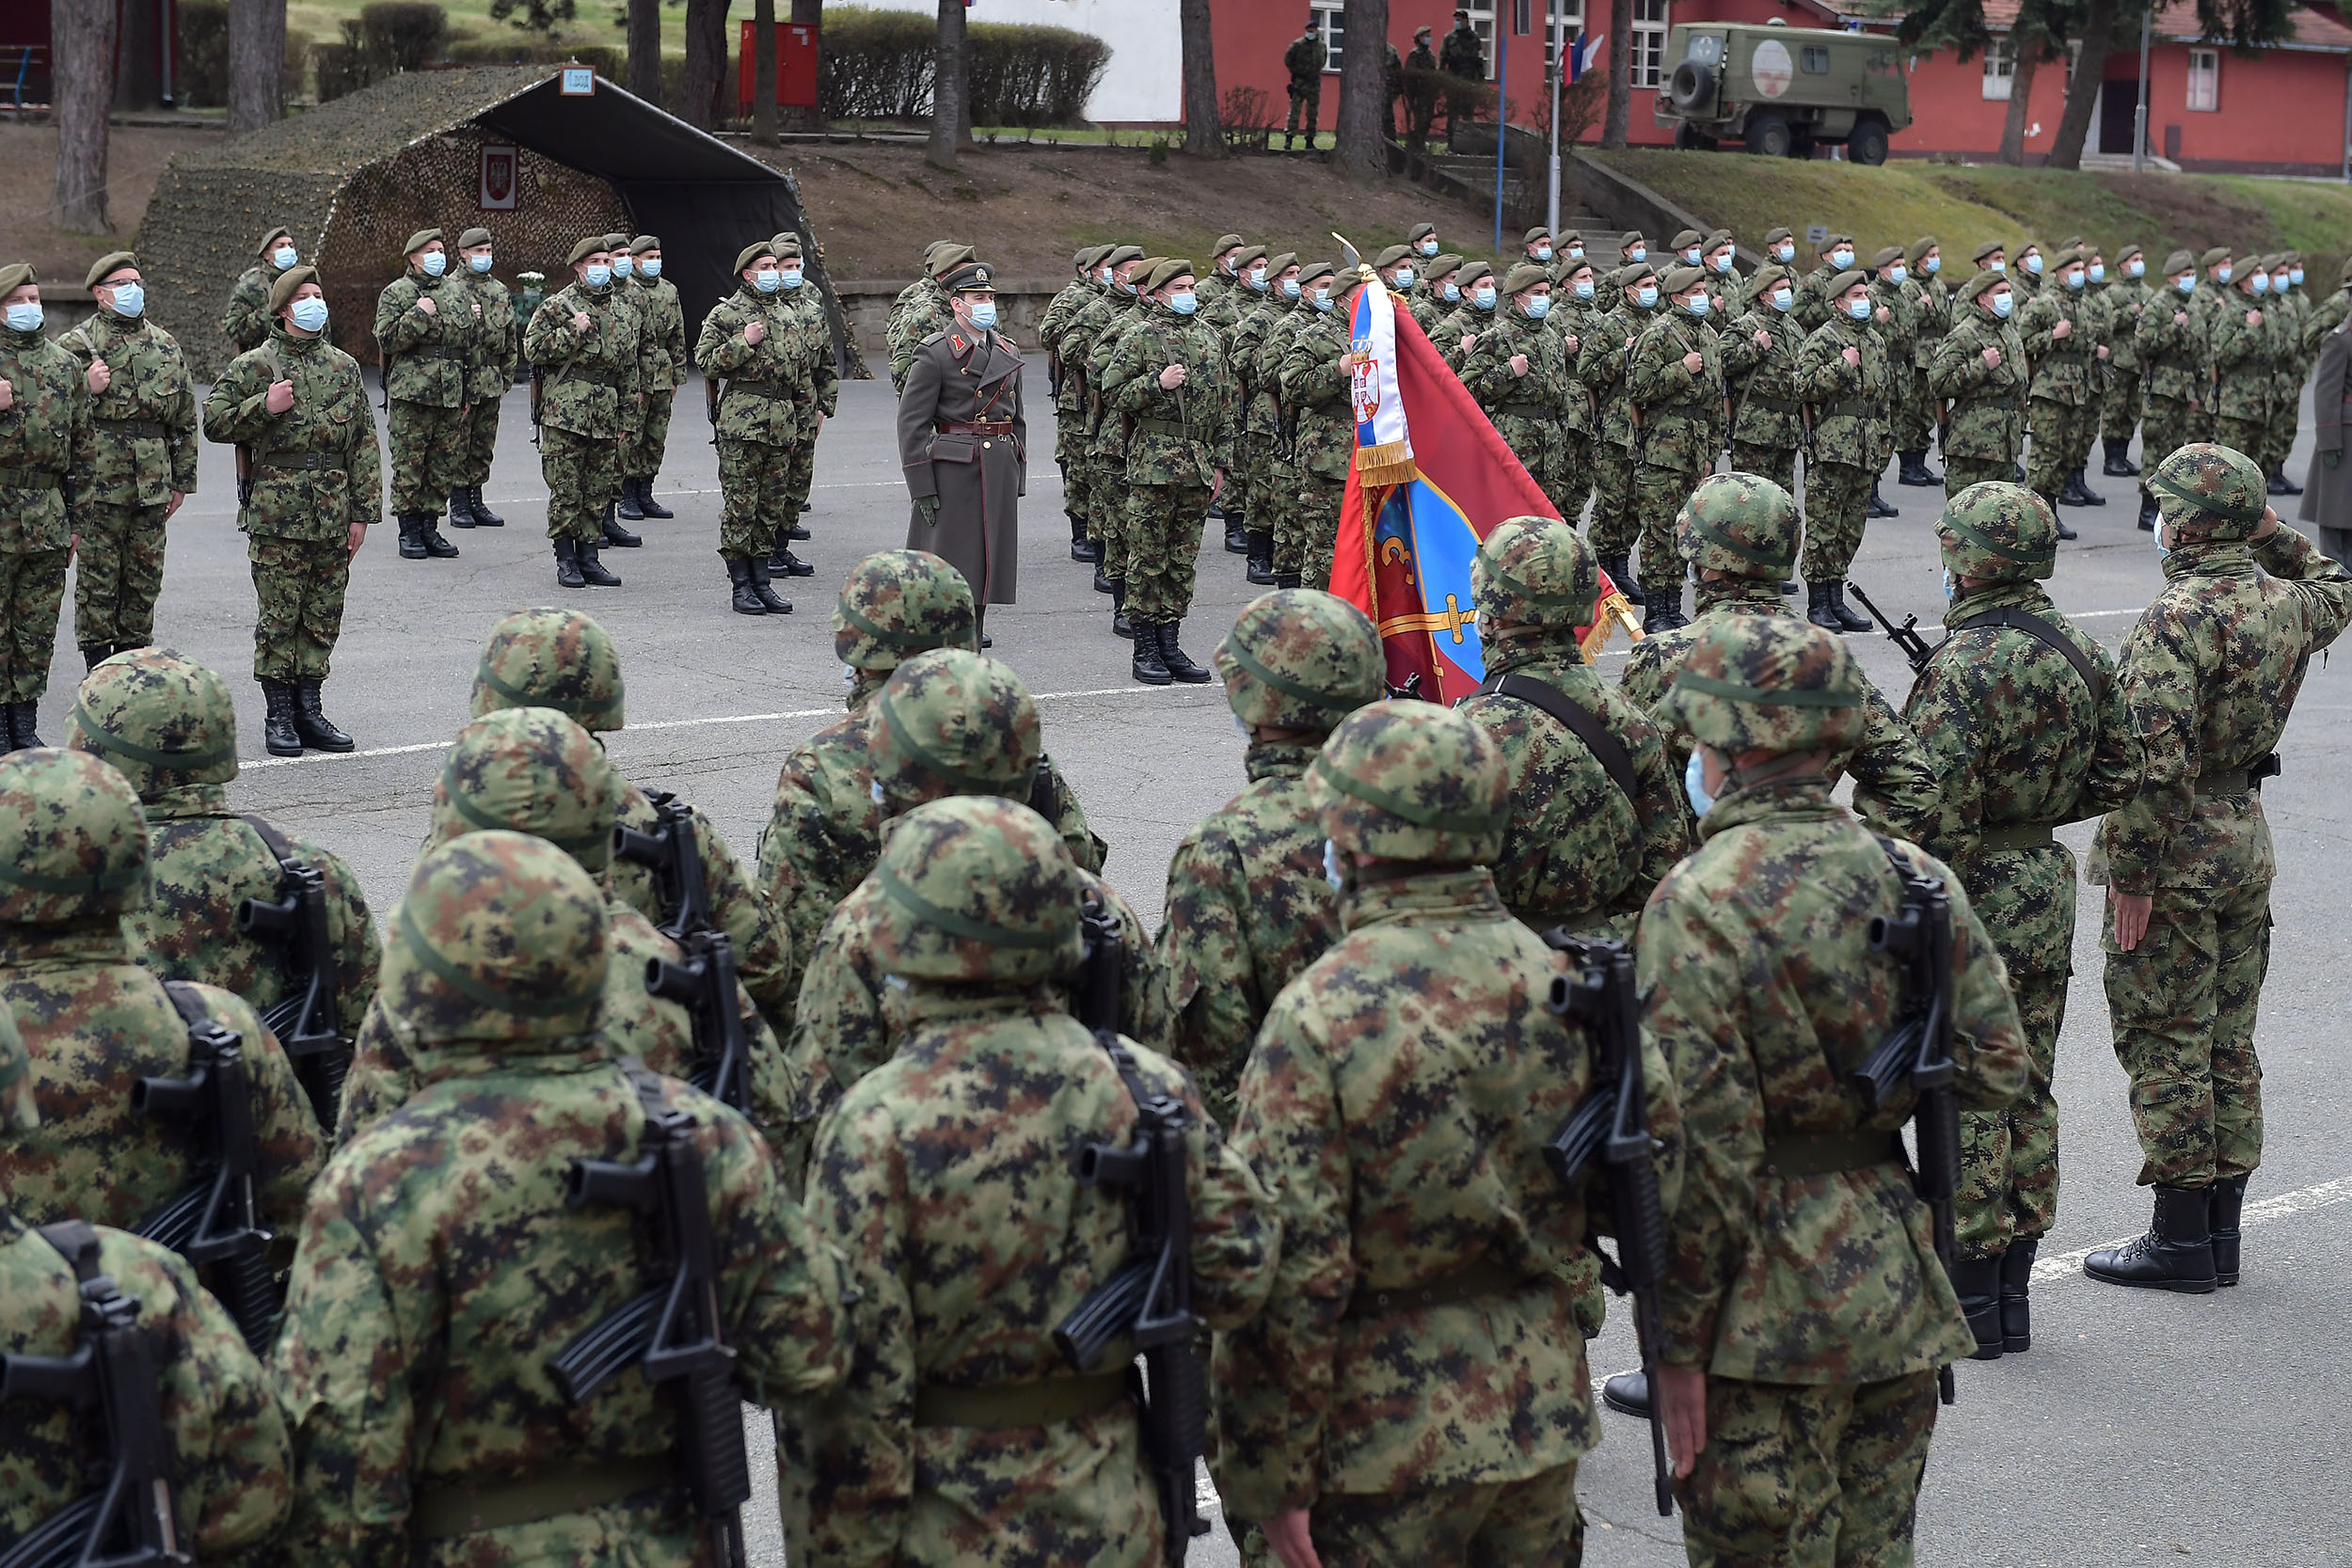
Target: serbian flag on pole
{"x": 1430, "y": 480}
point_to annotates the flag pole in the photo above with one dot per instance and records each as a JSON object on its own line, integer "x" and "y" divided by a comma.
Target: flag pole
{"x": 1559, "y": 70}
{"x": 1503, "y": 108}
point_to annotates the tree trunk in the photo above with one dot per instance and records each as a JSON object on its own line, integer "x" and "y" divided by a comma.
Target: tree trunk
{"x": 2082, "y": 92}
{"x": 82, "y": 64}
{"x": 1614, "y": 123}
{"x": 257, "y": 63}
{"x": 705, "y": 62}
{"x": 809, "y": 13}
{"x": 948, "y": 89}
{"x": 764, "y": 72}
{"x": 644, "y": 49}
{"x": 1201, "y": 130}
{"x": 1363, "y": 124}
{"x": 2020, "y": 103}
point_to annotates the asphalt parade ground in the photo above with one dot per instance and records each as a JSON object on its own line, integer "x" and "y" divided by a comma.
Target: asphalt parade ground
{"x": 2143, "y": 1426}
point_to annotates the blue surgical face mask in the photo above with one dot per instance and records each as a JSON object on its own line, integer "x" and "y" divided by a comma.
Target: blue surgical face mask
{"x": 1698, "y": 304}
{"x": 2163, "y": 550}
{"x": 2003, "y": 305}
{"x": 1183, "y": 303}
{"x": 309, "y": 313}
{"x": 1404, "y": 276}
{"x": 1107, "y": 277}
{"x": 1694, "y": 783}
{"x": 1583, "y": 288}
{"x": 1932, "y": 266}
{"x": 1289, "y": 288}
{"x": 433, "y": 263}
{"x": 875, "y": 789}
{"x": 1333, "y": 871}
{"x": 1841, "y": 258}
{"x": 1427, "y": 247}
{"x": 984, "y": 317}
{"x": 1576, "y": 253}
{"x": 2076, "y": 279}
{"x": 2034, "y": 264}
{"x": 598, "y": 276}
{"x": 1646, "y": 296}
{"x": 479, "y": 261}
{"x": 1898, "y": 275}
{"x": 1784, "y": 299}
{"x": 2221, "y": 274}
{"x": 1723, "y": 263}
{"x": 1996, "y": 264}
{"x": 788, "y": 278}
{"x": 1639, "y": 253}
{"x": 25, "y": 316}
{"x": 2259, "y": 283}
{"x": 1451, "y": 291}
{"x": 1784, "y": 253}
{"x": 1543, "y": 253}
{"x": 2186, "y": 285}
{"x": 767, "y": 280}
{"x": 649, "y": 268}
{"x": 624, "y": 264}
{"x": 2135, "y": 268}
{"x": 1257, "y": 278}
{"x": 1483, "y": 296}
{"x": 1323, "y": 300}
{"x": 1539, "y": 307}
{"x": 284, "y": 257}
{"x": 2098, "y": 272}
{"x": 1691, "y": 257}
{"x": 1858, "y": 309}
{"x": 1951, "y": 586}
{"x": 2295, "y": 275}
{"x": 130, "y": 299}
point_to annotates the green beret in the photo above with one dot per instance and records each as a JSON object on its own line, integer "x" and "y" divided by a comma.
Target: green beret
{"x": 1681, "y": 279}
{"x": 977, "y": 278}
{"x": 752, "y": 252}
{"x": 1765, "y": 276}
{"x": 1845, "y": 280}
{"x": 473, "y": 237}
{"x": 288, "y": 281}
{"x": 1986, "y": 282}
{"x": 932, "y": 252}
{"x": 1688, "y": 239}
{"x": 1777, "y": 235}
{"x": 1633, "y": 237}
{"x": 1420, "y": 231}
{"x": 1167, "y": 271}
{"x": 2215, "y": 257}
{"x": 1631, "y": 275}
{"x": 1473, "y": 271}
{"x": 421, "y": 238}
{"x": 1837, "y": 240}
{"x": 2125, "y": 253}
{"x": 616, "y": 242}
{"x": 1277, "y": 265}
{"x": 1091, "y": 258}
{"x": 1224, "y": 243}
{"x": 114, "y": 260}
{"x": 1538, "y": 233}
{"x": 2066, "y": 258}
{"x": 1314, "y": 272}
{"x": 781, "y": 245}
{"x": 643, "y": 243}
{"x": 1248, "y": 253}
{"x": 1887, "y": 257}
{"x": 1443, "y": 262}
{"x": 1392, "y": 256}
{"x": 585, "y": 248}
{"x": 2181, "y": 261}
{"x": 270, "y": 238}
{"x": 1121, "y": 254}
{"x": 15, "y": 275}
{"x": 1920, "y": 248}
{"x": 1986, "y": 249}
{"x": 1523, "y": 276}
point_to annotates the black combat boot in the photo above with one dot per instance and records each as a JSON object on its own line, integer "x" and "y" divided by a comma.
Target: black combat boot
{"x": 2225, "y": 1199}
{"x": 568, "y": 565}
{"x": 1148, "y": 665}
{"x": 1236, "y": 534}
{"x": 1915, "y": 469}
{"x": 1628, "y": 1393}
{"x": 95, "y": 653}
{"x": 614, "y": 534}
{"x": 769, "y": 600}
{"x": 21, "y": 733}
{"x": 1179, "y": 663}
{"x": 1878, "y": 503}
{"x": 1102, "y": 578}
{"x": 482, "y": 516}
{"x": 2148, "y": 513}
{"x": 429, "y": 533}
{"x": 1817, "y": 607}
{"x": 1847, "y": 619}
{"x": 2016, "y": 1308}
{"x": 411, "y": 538}
{"x": 1978, "y": 1281}
{"x": 746, "y": 599}
{"x": 625, "y": 508}
{"x": 593, "y": 571}
{"x": 1620, "y": 570}
{"x": 2084, "y": 494}
{"x": 798, "y": 530}
{"x": 1083, "y": 550}
{"x": 279, "y": 735}
{"x": 460, "y": 508}
{"x": 783, "y": 562}
{"x": 652, "y": 508}
{"x": 2281, "y": 486}
{"x": 1120, "y": 625}
{"x": 317, "y": 731}
{"x": 2175, "y": 1255}
{"x": 2119, "y": 464}
{"x": 2059, "y": 517}
{"x": 1260, "y": 568}
{"x": 1662, "y": 610}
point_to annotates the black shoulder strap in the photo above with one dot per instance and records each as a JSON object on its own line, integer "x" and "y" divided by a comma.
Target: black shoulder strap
{"x": 1143, "y": 1094}
{"x": 1606, "y": 748}
{"x": 2037, "y": 628}
{"x": 76, "y": 1241}
{"x": 280, "y": 845}
{"x": 189, "y": 1004}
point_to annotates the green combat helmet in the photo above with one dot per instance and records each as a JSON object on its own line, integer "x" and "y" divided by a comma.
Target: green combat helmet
{"x": 72, "y": 839}
{"x": 2210, "y": 494}
{"x": 1741, "y": 525}
{"x": 1998, "y": 533}
{"x": 1535, "y": 572}
{"x": 530, "y": 770}
{"x": 975, "y": 888}
{"x": 952, "y": 723}
{"x": 1300, "y": 660}
{"x": 1768, "y": 682}
{"x": 499, "y": 939}
{"x": 897, "y": 604}
{"x": 161, "y": 719}
{"x": 1411, "y": 781}
{"x": 556, "y": 658}
{"x": 18, "y": 1111}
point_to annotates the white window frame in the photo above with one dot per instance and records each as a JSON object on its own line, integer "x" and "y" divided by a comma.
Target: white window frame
{"x": 2204, "y": 81}
{"x": 1331, "y": 27}
{"x": 1647, "y": 59}
{"x": 1482, "y": 21}
{"x": 1571, "y": 14}
{"x": 2000, "y": 70}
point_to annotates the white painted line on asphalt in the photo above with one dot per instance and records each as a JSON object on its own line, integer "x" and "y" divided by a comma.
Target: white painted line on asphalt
{"x": 2299, "y": 1202}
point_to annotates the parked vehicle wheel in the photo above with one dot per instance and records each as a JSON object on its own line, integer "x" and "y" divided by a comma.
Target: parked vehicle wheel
{"x": 1770, "y": 136}
{"x": 1868, "y": 143}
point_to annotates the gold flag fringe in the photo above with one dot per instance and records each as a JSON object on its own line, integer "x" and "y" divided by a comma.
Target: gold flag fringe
{"x": 1615, "y": 610}
{"x": 1390, "y": 463}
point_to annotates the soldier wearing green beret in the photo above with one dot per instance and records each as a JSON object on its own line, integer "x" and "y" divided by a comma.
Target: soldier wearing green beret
{"x": 424, "y": 328}
{"x": 1602, "y": 364}
{"x": 1437, "y": 295}
{"x": 2291, "y": 366}
{"x": 44, "y": 420}
{"x": 1914, "y": 326}
{"x": 1676, "y": 380}
{"x": 2129, "y": 295}
{"x": 1102, "y": 317}
{"x": 2058, "y": 331}
{"x": 1758, "y": 351}
{"x": 1223, "y": 275}
{"x": 1843, "y": 370}
{"x": 1520, "y": 373}
{"x": 2176, "y": 367}
{"x": 1977, "y": 379}
{"x": 922, "y": 307}
{"x": 1815, "y": 304}
{"x": 1067, "y": 388}
{"x": 817, "y": 380}
{"x": 583, "y": 346}
{"x": 749, "y": 342}
{"x": 489, "y": 373}
{"x": 1318, "y": 364}
{"x": 2244, "y": 353}
{"x": 1458, "y": 328}
{"x": 245, "y": 321}
{"x": 664, "y": 363}
{"x": 1253, "y": 355}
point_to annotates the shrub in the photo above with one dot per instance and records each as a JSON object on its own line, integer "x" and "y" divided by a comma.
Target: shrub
{"x": 879, "y": 64}
{"x": 401, "y": 34}
{"x": 1245, "y": 116}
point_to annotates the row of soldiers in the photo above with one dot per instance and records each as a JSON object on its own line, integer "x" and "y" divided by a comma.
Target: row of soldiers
{"x": 943, "y": 1005}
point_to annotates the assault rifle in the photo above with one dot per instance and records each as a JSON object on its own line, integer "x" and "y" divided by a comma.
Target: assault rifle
{"x": 671, "y": 1333}
{"x": 538, "y": 391}
{"x": 710, "y": 405}
{"x": 704, "y": 984}
{"x": 1094, "y": 991}
{"x": 1150, "y": 1299}
{"x": 1917, "y": 1052}
{"x": 1613, "y": 1123}
{"x": 126, "y": 1523}
{"x": 1906, "y": 637}
{"x": 306, "y": 1023}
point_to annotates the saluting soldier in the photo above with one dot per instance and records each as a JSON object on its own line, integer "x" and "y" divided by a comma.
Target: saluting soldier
{"x": 424, "y": 327}
{"x": 44, "y": 413}
{"x": 656, "y": 299}
{"x": 964, "y": 442}
{"x": 490, "y": 375}
{"x": 586, "y": 350}
{"x": 245, "y": 321}
{"x": 748, "y": 339}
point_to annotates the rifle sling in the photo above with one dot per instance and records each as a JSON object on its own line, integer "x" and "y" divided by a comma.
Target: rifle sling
{"x": 1606, "y": 748}
{"x": 2040, "y": 629}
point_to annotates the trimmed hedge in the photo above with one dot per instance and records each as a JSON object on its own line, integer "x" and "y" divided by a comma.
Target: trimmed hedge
{"x": 879, "y": 64}
{"x": 387, "y": 38}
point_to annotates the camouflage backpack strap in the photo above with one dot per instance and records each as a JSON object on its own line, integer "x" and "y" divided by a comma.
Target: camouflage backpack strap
{"x": 76, "y": 1241}
{"x": 2038, "y": 628}
{"x": 1606, "y": 748}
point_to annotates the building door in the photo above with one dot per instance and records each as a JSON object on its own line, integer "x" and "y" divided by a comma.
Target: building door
{"x": 2118, "y": 105}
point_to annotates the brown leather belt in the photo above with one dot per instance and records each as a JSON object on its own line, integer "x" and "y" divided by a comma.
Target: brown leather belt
{"x": 974, "y": 427}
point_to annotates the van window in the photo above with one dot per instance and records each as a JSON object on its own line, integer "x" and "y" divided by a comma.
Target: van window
{"x": 1816, "y": 60}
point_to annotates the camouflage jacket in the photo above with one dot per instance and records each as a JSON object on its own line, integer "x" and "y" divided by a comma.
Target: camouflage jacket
{"x": 46, "y": 423}
{"x": 2210, "y": 670}
{"x": 496, "y": 341}
{"x": 2325, "y": 317}
{"x": 2018, "y": 739}
{"x": 1248, "y": 909}
{"x": 329, "y": 423}
{"x": 1682, "y": 412}
{"x": 1851, "y": 402}
{"x": 1763, "y": 381}
{"x": 769, "y": 395}
{"x": 1179, "y": 436}
{"x": 95, "y": 1023}
{"x": 1465, "y": 320}
{"x": 2066, "y": 369}
{"x": 945, "y": 1177}
{"x": 204, "y": 860}
{"x": 440, "y": 1269}
{"x": 1259, "y": 387}
{"x": 1087, "y": 324}
{"x": 222, "y": 1435}
{"x": 1315, "y": 388}
{"x": 426, "y": 354}
{"x": 1988, "y": 414}
{"x": 1579, "y": 852}
{"x": 1812, "y": 309}
{"x": 2244, "y": 353}
{"x": 2174, "y": 355}
{"x": 1075, "y": 298}
{"x": 245, "y": 320}
{"x": 1925, "y": 318}
{"x": 2124, "y": 302}
{"x": 1525, "y": 410}
{"x": 1762, "y": 994}
{"x": 814, "y": 329}
{"x": 1109, "y": 444}
{"x": 1601, "y": 365}
{"x": 763, "y": 955}
{"x": 1396, "y": 1105}
{"x": 1899, "y": 331}
{"x": 586, "y": 375}
{"x": 665, "y": 360}
{"x": 141, "y": 443}
{"x": 925, "y": 311}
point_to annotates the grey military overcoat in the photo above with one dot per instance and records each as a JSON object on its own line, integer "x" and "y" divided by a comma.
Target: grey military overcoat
{"x": 2327, "y": 492}
{"x": 961, "y": 438}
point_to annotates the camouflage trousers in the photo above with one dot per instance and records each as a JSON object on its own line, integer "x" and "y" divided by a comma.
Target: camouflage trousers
{"x": 1659, "y": 491}
{"x": 1307, "y": 96}
{"x": 32, "y": 591}
{"x": 1914, "y": 411}
{"x": 118, "y": 574}
{"x": 1615, "y": 523}
{"x": 1534, "y": 1522}
{"x": 1163, "y": 548}
{"x": 2119, "y": 409}
{"x": 1314, "y": 519}
{"x": 2062, "y": 436}
{"x": 1275, "y": 485}
{"x": 755, "y": 496}
{"x": 1837, "y": 505}
{"x": 1808, "y": 1476}
{"x": 2166, "y": 426}
{"x": 2239, "y": 436}
{"x": 633, "y": 436}
{"x": 298, "y": 604}
{"x": 1106, "y": 477}
{"x": 802, "y": 479}
{"x": 2009, "y": 1167}
{"x": 2277, "y": 438}
{"x": 1570, "y": 482}
{"x": 650, "y": 442}
{"x": 1961, "y": 472}
{"x": 2183, "y": 1009}
{"x": 1777, "y": 464}
{"x": 481, "y": 443}
{"x": 428, "y": 456}
{"x": 584, "y": 474}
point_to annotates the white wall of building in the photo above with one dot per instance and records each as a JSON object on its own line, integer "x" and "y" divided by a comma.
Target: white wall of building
{"x": 1144, "y": 81}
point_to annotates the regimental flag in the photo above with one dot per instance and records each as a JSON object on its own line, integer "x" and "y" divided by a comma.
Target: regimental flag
{"x": 1431, "y": 479}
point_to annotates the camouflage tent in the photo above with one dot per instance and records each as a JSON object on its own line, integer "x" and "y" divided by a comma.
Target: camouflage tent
{"x": 502, "y": 147}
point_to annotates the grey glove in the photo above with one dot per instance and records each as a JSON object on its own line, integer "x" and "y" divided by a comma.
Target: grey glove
{"x": 929, "y": 506}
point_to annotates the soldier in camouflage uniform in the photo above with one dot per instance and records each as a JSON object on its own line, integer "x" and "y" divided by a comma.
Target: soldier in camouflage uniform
{"x": 1247, "y": 905}
{"x": 297, "y": 407}
{"x": 1600, "y": 364}
{"x": 425, "y": 329}
{"x": 751, "y": 339}
{"x": 644, "y": 365}
{"x": 1318, "y": 366}
{"x": 820, "y": 381}
{"x": 1901, "y": 312}
{"x": 2290, "y": 367}
{"x": 1068, "y": 390}
{"x": 490, "y": 375}
{"x": 2062, "y": 405}
{"x": 1676, "y": 380}
{"x": 1256, "y": 367}
{"x": 1522, "y": 373}
{"x": 2210, "y": 670}
{"x": 134, "y": 466}
{"x": 921, "y": 308}
{"x": 2020, "y": 715}
{"x": 2175, "y": 371}
{"x": 1929, "y": 299}
{"x": 585, "y": 349}
{"x": 222, "y": 1438}
{"x": 1843, "y": 372}
{"x": 1092, "y": 332}
{"x": 1416, "y": 1389}
{"x": 1758, "y": 355}
{"x": 2128, "y": 298}
{"x": 2329, "y": 313}
{"x": 44, "y": 419}
{"x": 95, "y": 1021}
{"x": 1166, "y": 378}
{"x": 1805, "y": 1312}
{"x": 245, "y": 320}
{"x": 1815, "y": 301}
{"x": 495, "y": 972}
{"x": 1574, "y": 310}
{"x": 2245, "y": 350}
{"x": 1439, "y": 294}
{"x": 1224, "y": 318}
{"x": 961, "y": 1435}
{"x": 1458, "y": 328}
{"x": 1979, "y": 370}
{"x": 664, "y": 365}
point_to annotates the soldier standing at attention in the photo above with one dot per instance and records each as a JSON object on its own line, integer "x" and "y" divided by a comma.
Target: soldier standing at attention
{"x": 1318, "y": 367}
{"x": 961, "y": 1433}
{"x": 496, "y": 967}
{"x": 1098, "y": 488}
{"x": 1440, "y": 293}
{"x": 1798, "y": 1412}
{"x": 635, "y": 379}
{"x": 1219, "y": 283}
{"x": 1913, "y": 329}
{"x": 1536, "y": 249}
{"x": 2243, "y": 346}
{"x": 1980, "y": 370}
{"x": 657, "y": 300}
{"x": 1463, "y": 57}
{"x": 1068, "y": 387}
{"x": 2029, "y": 270}
{"x": 2175, "y": 363}
{"x": 1415, "y": 1390}
{"x": 586, "y": 350}
{"x": 964, "y": 442}
{"x": 2128, "y": 298}
{"x": 922, "y": 308}
{"x": 424, "y": 328}
{"x": 1758, "y": 355}
{"x": 1458, "y": 328}
{"x": 1607, "y": 342}
{"x": 1816, "y": 300}
{"x": 489, "y": 375}
{"x": 1257, "y": 385}
{"x": 748, "y": 339}
{"x": 45, "y": 417}
{"x": 1843, "y": 372}
{"x": 133, "y": 464}
{"x": 1108, "y": 448}
{"x": 2292, "y": 366}
{"x": 2021, "y": 717}
{"x": 1571, "y": 317}
{"x": 1304, "y": 61}
{"x": 1247, "y": 904}
{"x": 1224, "y": 318}
{"x": 245, "y": 320}
{"x": 819, "y": 380}
{"x": 1675, "y": 381}
{"x": 297, "y": 407}
{"x": 1421, "y": 91}
{"x": 2210, "y": 670}
{"x": 2062, "y": 401}
{"x": 1518, "y": 371}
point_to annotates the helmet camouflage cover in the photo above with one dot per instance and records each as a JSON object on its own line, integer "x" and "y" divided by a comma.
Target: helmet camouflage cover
{"x": 499, "y": 939}
{"x": 954, "y": 719}
{"x": 1768, "y": 682}
{"x": 160, "y": 718}
{"x": 1300, "y": 660}
{"x": 72, "y": 839}
{"x": 1998, "y": 533}
{"x": 530, "y": 770}
{"x": 556, "y": 658}
{"x": 1742, "y": 524}
{"x": 976, "y": 888}
{"x": 1411, "y": 781}
{"x": 1533, "y": 572}
{"x": 899, "y": 603}
{"x": 2210, "y": 494}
